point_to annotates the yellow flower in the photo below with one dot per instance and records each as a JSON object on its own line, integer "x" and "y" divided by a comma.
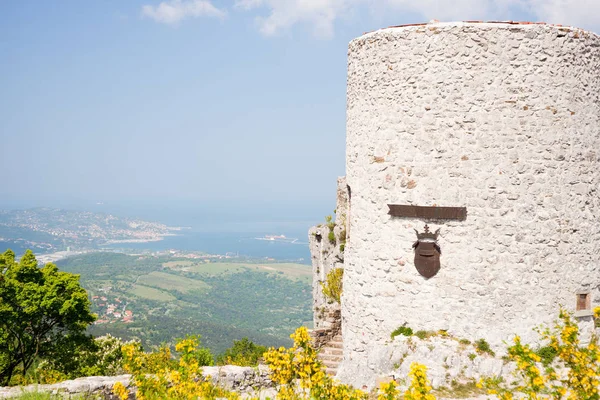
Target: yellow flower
{"x": 121, "y": 391}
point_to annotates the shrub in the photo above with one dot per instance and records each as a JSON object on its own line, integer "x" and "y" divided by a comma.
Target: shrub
{"x": 331, "y": 225}
{"x": 331, "y": 237}
{"x": 332, "y": 287}
{"x": 402, "y": 330}
{"x": 160, "y": 376}
{"x": 483, "y": 346}
{"x": 419, "y": 389}
{"x": 579, "y": 366}
{"x": 298, "y": 370}
{"x": 243, "y": 353}
{"x": 329, "y": 222}
{"x": 422, "y": 334}
{"x": 547, "y": 354}
{"x": 299, "y": 374}
{"x": 425, "y": 334}
{"x": 102, "y": 358}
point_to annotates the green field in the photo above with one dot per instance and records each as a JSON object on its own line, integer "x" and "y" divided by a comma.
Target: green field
{"x": 289, "y": 270}
{"x": 151, "y": 293}
{"x": 168, "y": 298}
{"x": 163, "y": 280}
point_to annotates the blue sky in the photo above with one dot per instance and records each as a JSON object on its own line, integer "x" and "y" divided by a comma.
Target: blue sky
{"x": 226, "y": 104}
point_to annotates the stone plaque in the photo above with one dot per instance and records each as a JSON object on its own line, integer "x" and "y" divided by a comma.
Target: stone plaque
{"x": 433, "y": 213}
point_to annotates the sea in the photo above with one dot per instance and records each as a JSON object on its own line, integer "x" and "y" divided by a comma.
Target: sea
{"x": 245, "y": 244}
{"x": 221, "y": 229}
{"x": 229, "y": 229}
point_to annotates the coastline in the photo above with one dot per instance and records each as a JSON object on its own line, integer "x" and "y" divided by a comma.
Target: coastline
{"x": 157, "y": 238}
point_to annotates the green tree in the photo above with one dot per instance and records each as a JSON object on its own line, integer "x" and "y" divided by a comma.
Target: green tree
{"x": 101, "y": 356}
{"x": 243, "y": 353}
{"x": 42, "y": 312}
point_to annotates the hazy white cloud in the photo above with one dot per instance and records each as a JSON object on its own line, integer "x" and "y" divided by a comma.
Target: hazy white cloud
{"x": 173, "y": 11}
{"x": 321, "y": 15}
{"x": 579, "y": 13}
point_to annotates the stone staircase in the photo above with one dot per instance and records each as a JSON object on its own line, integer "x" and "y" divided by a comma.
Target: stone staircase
{"x": 331, "y": 354}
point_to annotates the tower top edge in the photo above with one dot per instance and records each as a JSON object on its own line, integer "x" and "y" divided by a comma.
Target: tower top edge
{"x": 434, "y": 24}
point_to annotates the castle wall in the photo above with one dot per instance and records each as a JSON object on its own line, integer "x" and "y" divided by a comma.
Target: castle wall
{"x": 325, "y": 256}
{"x": 501, "y": 119}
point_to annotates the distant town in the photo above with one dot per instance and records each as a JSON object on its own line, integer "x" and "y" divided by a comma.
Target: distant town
{"x": 51, "y": 229}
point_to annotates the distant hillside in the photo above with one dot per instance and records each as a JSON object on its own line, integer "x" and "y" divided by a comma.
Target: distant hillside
{"x": 50, "y": 229}
{"x": 158, "y": 299}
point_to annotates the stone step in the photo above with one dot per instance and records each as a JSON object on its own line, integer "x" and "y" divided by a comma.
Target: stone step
{"x": 327, "y": 357}
{"x": 331, "y": 355}
{"x": 331, "y": 351}
{"x": 330, "y": 364}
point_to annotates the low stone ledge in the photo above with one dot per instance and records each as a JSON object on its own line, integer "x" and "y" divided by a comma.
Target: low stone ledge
{"x": 240, "y": 379}
{"x": 244, "y": 380}
{"x": 96, "y": 385}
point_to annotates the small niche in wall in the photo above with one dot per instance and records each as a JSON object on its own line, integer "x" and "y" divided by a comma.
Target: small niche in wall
{"x": 583, "y": 302}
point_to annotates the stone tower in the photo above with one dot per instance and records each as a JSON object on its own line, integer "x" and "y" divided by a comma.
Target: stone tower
{"x": 500, "y": 122}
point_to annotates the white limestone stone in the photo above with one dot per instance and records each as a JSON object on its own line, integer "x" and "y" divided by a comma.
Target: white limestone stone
{"x": 502, "y": 119}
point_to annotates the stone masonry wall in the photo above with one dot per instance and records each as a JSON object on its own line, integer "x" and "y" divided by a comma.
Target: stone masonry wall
{"x": 502, "y": 119}
{"x": 325, "y": 257}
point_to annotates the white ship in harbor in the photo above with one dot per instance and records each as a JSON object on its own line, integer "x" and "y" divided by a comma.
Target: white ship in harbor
{"x": 277, "y": 238}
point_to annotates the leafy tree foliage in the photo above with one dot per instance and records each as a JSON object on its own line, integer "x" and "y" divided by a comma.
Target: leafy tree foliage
{"x": 243, "y": 353}
{"x": 43, "y": 313}
{"x": 101, "y": 357}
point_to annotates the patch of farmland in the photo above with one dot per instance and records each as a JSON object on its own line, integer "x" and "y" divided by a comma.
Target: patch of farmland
{"x": 289, "y": 270}
{"x": 150, "y": 293}
{"x": 166, "y": 281}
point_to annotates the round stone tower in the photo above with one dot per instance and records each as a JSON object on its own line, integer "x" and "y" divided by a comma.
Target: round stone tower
{"x": 492, "y": 130}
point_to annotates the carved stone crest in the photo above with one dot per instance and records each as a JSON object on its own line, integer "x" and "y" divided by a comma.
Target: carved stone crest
{"x": 427, "y": 253}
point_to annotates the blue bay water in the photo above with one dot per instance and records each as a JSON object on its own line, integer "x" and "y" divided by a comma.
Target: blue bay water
{"x": 217, "y": 229}
{"x": 242, "y": 244}
{"x": 227, "y": 229}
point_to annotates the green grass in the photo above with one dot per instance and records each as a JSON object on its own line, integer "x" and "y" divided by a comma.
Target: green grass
{"x": 49, "y": 396}
{"x": 425, "y": 334}
{"x": 35, "y": 396}
{"x": 402, "y": 330}
{"x": 483, "y": 346}
{"x": 289, "y": 270}
{"x": 163, "y": 280}
{"x": 151, "y": 293}
{"x": 217, "y": 268}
